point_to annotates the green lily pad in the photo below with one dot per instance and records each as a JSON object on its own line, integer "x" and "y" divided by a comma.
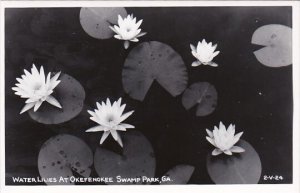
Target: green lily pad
{"x": 96, "y": 20}
{"x": 137, "y": 159}
{"x": 70, "y": 94}
{"x": 180, "y": 174}
{"x": 243, "y": 168}
{"x": 151, "y": 61}
{"x": 62, "y": 155}
{"x": 277, "y": 42}
{"x": 202, "y": 94}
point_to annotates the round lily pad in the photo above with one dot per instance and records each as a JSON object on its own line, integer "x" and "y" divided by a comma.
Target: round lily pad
{"x": 136, "y": 161}
{"x": 243, "y": 168}
{"x": 70, "y": 95}
{"x": 96, "y": 20}
{"x": 277, "y": 42}
{"x": 151, "y": 61}
{"x": 202, "y": 94}
{"x": 180, "y": 174}
{"x": 62, "y": 155}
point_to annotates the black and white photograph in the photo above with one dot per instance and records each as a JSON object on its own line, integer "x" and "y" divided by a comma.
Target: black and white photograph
{"x": 141, "y": 95}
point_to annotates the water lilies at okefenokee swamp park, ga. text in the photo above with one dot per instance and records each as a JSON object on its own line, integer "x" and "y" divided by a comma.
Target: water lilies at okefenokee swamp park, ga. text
{"x": 117, "y": 118}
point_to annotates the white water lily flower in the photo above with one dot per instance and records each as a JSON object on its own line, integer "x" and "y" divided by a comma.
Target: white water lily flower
{"x": 205, "y": 53}
{"x": 224, "y": 140}
{"x": 109, "y": 117}
{"x": 36, "y": 88}
{"x": 128, "y": 29}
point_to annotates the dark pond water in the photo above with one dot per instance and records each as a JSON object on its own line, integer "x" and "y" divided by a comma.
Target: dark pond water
{"x": 256, "y": 98}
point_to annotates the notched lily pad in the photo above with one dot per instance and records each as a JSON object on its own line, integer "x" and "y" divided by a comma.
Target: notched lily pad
{"x": 151, "y": 61}
{"x": 137, "y": 159}
{"x": 71, "y": 96}
{"x": 62, "y": 155}
{"x": 96, "y": 20}
{"x": 243, "y": 168}
{"x": 277, "y": 40}
{"x": 202, "y": 94}
{"x": 180, "y": 174}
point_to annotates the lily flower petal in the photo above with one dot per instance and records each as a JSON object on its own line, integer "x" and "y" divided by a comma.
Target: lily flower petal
{"x": 37, "y": 105}
{"x": 236, "y": 149}
{"x": 120, "y": 140}
{"x": 196, "y": 63}
{"x": 210, "y": 140}
{"x": 125, "y": 116}
{"x": 127, "y": 126}
{"x": 213, "y": 64}
{"x": 228, "y": 152}
{"x": 27, "y": 107}
{"x": 104, "y": 136}
{"x": 193, "y": 48}
{"x": 216, "y": 152}
{"x": 51, "y": 100}
{"x": 141, "y": 34}
{"x": 210, "y": 134}
{"x": 96, "y": 128}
